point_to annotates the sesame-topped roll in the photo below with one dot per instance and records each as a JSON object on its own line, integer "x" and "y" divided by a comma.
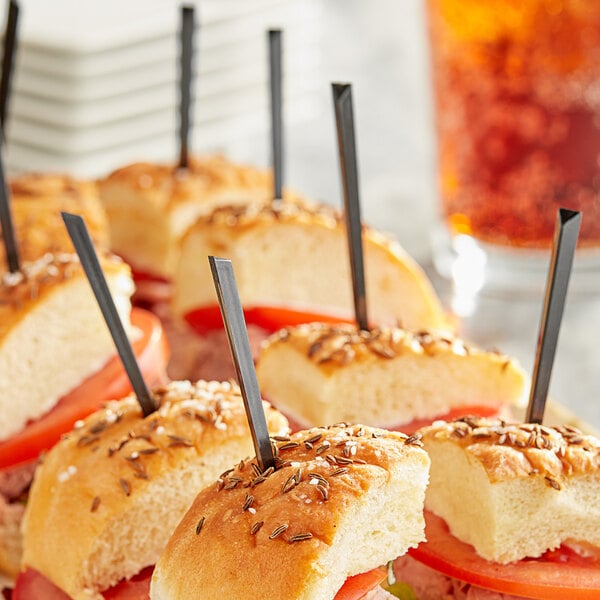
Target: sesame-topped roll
{"x": 52, "y": 334}
{"x": 295, "y": 256}
{"x": 341, "y": 501}
{"x": 37, "y": 201}
{"x": 511, "y": 489}
{"x": 108, "y": 496}
{"x": 387, "y": 377}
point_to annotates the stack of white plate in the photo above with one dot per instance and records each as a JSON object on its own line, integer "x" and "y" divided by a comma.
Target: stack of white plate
{"x": 95, "y": 83}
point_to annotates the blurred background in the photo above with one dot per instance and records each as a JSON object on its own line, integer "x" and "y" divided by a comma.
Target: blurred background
{"x": 95, "y": 88}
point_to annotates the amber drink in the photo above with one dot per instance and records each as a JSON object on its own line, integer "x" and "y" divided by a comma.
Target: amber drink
{"x": 517, "y": 92}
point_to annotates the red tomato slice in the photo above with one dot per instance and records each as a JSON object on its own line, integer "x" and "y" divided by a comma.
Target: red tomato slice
{"x": 111, "y": 382}
{"x": 141, "y": 275}
{"x": 136, "y": 588}
{"x": 31, "y": 584}
{"x": 358, "y": 585}
{"x": 208, "y": 318}
{"x": 556, "y": 575}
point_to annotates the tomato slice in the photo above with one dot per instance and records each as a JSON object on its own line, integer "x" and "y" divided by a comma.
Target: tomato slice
{"x": 141, "y": 275}
{"x": 556, "y": 575}
{"x": 357, "y": 586}
{"x": 136, "y": 588}
{"x": 32, "y": 584}
{"x": 111, "y": 382}
{"x": 271, "y": 318}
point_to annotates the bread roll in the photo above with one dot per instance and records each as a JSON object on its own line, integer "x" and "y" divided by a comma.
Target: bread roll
{"x": 52, "y": 333}
{"x": 295, "y": 255}
{"x": 37, "y": 201}
{"x": 108, "y": 496}
{"x": 341, "y": 501}
{"x": 514, "y": 490}
{"x": 150, "y": 206}
{"x": 318, "y": 373}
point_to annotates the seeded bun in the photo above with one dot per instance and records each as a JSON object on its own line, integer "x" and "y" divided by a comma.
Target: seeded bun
{"x": 514, "y": 490}
{"x": 388, "y": 377}
{"x": 342, "y": 501}
{"x": 107, "y": 497}
{"x": 150, "y": 206}
{"x": 37, "y": 201}
{"x": 46, "y": 305}
{"x": 295, "y": 255}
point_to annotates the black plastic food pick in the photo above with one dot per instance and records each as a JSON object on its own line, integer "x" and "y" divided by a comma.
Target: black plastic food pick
{"x": 89, "y": 260}
{"x": 6, "y": 220}
{"x": 344, "y": 117}
{"x": 563, "y": 252}
{"x": 185, "y": 83}
{"x": 235, "y": 326}
{"x": 275, "y": 84}
{"x": 8, "y": 58}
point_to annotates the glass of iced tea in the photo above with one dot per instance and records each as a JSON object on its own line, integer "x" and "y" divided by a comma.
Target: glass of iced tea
{"x": 517, "y": 95}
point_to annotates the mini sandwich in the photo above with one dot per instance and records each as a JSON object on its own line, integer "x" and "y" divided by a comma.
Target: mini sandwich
{"x": 513, "y": 511}
{"x": 37, "y": 201}
{"x": 341, "y": 501}
{"x": 292, "y": 266}
{"x": 150, "y": 206}
{"x": 52, "y": 335}
{"x": 387, "y": 377}
{"x": 108, "y": 496}
{"x": 57, "y": 364}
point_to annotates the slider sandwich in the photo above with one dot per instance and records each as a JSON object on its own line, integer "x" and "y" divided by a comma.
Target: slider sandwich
{"x": 37, "y": 201}
{"x": 513, "y": 511}
{"x": 387, "y": 377}
{"x": 108, "y": 496}
{"x": 292, "y": 267}
{"x": 340, "y": 502}
{"x": 57, "y": 364}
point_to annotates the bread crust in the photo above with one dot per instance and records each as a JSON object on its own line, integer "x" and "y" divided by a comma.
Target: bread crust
{"x": 168, "y": 186}
{"x": 106, "y": 498}
{"x": 513, "y": 450}
{"x": 301, "y": 530}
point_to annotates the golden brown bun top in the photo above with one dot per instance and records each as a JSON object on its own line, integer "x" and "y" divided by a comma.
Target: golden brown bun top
{"x": 289, "y": 516}
{"x": 510, "y": 450}
{"x": 22, "y": 290}
{"x": 298, "y": 210}
{"x": 203, "y": 176}
{"x": 190, "y": 418}
{"x": 334, "y": 346}
{"x": 37, "y": 201}
{"x": 241, "y": 216}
